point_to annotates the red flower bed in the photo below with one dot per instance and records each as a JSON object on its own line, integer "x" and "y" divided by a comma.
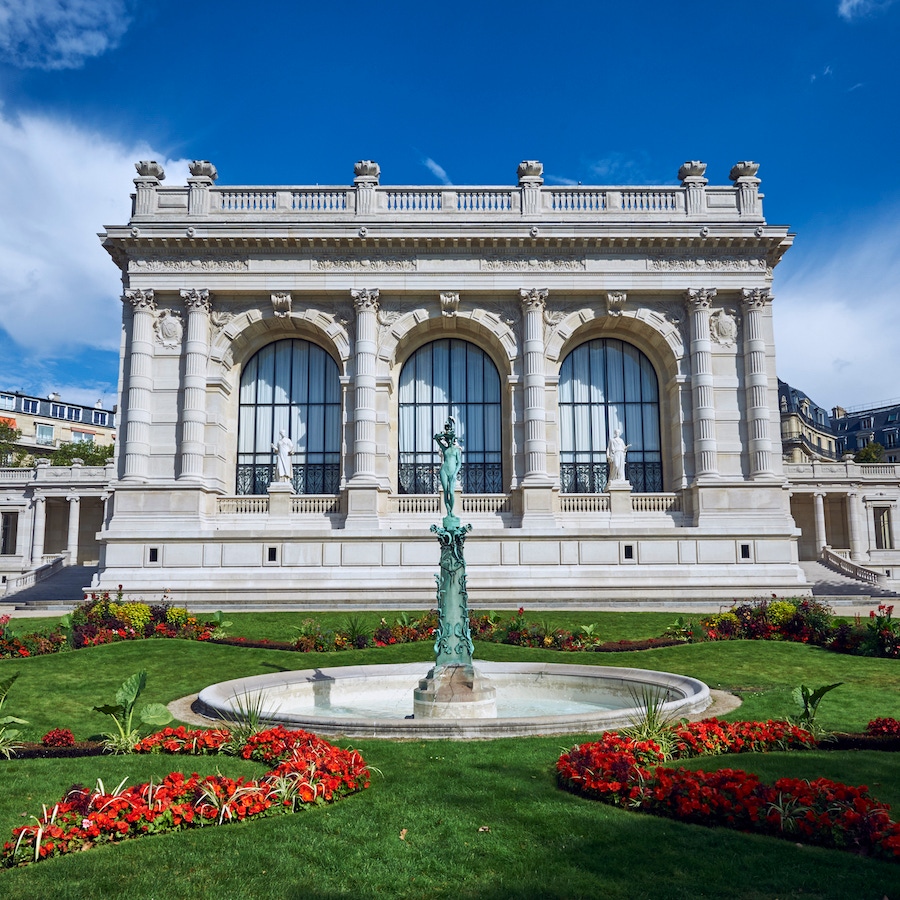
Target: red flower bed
{"x": 884, "y": 726}
{"x": 309, "y": 770}
{"x": 626, "y": 773}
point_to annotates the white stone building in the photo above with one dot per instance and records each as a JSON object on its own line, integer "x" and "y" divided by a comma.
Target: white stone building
{"x": 356, "y": 319}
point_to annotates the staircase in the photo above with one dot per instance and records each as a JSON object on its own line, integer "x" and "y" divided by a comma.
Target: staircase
{"x": 826, "y": 582}
{"x": 60, "y": 591}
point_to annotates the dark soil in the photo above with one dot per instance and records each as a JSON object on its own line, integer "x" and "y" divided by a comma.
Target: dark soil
{"x": 27, "y": 750}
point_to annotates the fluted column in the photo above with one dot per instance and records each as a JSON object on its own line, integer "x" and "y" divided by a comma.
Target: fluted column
{"x": 366, "y": 305}
{"x": 193, "y": 440}
{"x": 857, "y": 551}
{"x": 140, "y": 386}
{"x": 756, "y": 382}
{"x": 74, "y": 519}
{"x": 533, "y": 304}
{"x": 40, "y": 525}
{"x": 821, "y": 536}
{"x": 705, "y": 458}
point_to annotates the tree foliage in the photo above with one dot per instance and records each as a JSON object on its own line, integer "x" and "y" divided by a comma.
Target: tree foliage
{"x": 91, "y": 454}
{"x": 8, "y": 437}
{"x": 871, "y": 453}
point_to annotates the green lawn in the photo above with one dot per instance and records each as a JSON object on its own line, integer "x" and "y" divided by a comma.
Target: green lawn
{"x": 541, "y": 841}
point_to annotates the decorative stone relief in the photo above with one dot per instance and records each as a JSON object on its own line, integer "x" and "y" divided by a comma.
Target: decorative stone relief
{"x": 532, "y": 263}
{"x": 365, "y": 299}
{"x": 449, "y": 303}
{"x": 685, "y": 261}
{"x": 615, "y": 302}
{"x": 181, "y": 263}
{"x": 281, "y": 304}
{"x": 194, "y": 299}
{"x": 745, "y": 169}
{"x": 141, "y": 299}
{"x": 371, "y": 263}
{"x": 220, "y": 319}
{"x": 168, "y": 328}
{"x": 723, "y": 327}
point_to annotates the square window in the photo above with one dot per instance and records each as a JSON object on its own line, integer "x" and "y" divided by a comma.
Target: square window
{"x": 43, "y": 434}
{"x": 30, "y": 406}
{"x": 73, "y": 414}
{"x": 57, "y": 410}
{"x": 99, "y": 417}
{"x": 82, "y": 437}
{"x": 7, "y": 401}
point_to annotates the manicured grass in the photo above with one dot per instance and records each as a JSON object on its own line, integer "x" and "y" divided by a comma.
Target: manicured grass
{"x": 541, "y": 842}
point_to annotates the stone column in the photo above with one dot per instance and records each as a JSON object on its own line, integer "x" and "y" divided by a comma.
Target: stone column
{"x": 40, "y": 524}
{"x": 895, "y": 527}
{"x": 857, "y": 551}
{"x": 203, "y": 175}
{"x": 691, "y": 177}
{"x": 756, "y": 382}
{"x": 366, "y": 305}
{"x": 821, "y": 536}
{"x": 704, "y": 411}
{"x": 74, "y": 519}
{"x": 193, "y": 439}
{"x": 150, "y": 174}
{"x": 140, "y": 386}
{"x": 533, "y": 304}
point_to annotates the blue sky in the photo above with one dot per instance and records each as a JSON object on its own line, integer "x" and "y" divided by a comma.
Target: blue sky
{"x": 600, "y": 92}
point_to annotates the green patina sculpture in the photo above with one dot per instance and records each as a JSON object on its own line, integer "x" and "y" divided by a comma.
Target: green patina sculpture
{"x": 453, "y": 643}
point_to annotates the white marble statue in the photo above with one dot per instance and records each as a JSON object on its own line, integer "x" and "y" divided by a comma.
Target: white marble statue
{"x": 284, "y": 470}
{"x": 615, "y": 456}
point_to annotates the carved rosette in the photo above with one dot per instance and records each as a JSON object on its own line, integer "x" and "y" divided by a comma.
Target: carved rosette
{"x": 449, "y": 304}
{"x": 365, "y": 299}
{"x": 196, "y": 300}
{"x": 281, "y": 304}
{"x": 140, "y": 300}
{"x": 615, "y": 302}
{"x": 168, "y": 328}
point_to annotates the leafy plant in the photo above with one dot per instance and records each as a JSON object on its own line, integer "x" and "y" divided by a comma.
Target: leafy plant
{"x": 358, "y": 634}
{"x": 808, "y": 700}
{"x": 652, "y": 724}
{"x": 680, "y": 630}
{"x": 8, "y": 745}
{"x": 122, "y": 713}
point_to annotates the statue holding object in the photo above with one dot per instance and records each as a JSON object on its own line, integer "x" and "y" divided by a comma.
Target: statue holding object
{"x": 616, "y": 450}
{"x": 452, "y": 453}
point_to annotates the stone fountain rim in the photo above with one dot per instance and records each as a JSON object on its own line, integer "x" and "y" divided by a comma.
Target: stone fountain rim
{"x": 213, "y": 701}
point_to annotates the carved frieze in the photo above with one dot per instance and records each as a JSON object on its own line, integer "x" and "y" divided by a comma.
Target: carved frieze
{"x": 687, "y": 261}
{"x": 533, "y": 263}
{"x": 189, "y": 263}
{"x": 370, "y": 263}
{"x": 723, "y": 327}
{"x": 168, "y": 328}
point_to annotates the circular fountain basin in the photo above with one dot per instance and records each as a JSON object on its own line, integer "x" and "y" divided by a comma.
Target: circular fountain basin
{"x": 532, "y": 699}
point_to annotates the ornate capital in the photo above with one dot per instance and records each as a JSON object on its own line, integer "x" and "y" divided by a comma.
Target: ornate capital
{"x": 365, "y": 300}
{"x": 534, "y": 299}
{"x": 449, "y": 303}
{"x": 615, "y": 302}
{"x": 281, "y": 304}
{"x": 140, "y": 300}
{"x": 756, "y": 298}
{"x": 196, "y": 300}
{"x": 699, "y": 298}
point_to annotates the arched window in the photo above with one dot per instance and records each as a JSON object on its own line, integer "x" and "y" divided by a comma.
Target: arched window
{"x": 450, "y": 378}
{"x": 606, "y": 385}
{"x": 291, "y": 386}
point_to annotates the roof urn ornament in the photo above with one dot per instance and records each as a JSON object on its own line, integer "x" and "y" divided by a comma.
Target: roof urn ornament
{"x": 530, "y": 171}
{"x": 150, "y": 168}
{"x": 366, "y": 171}
{"x": 203, "y": 168}
{"x": 691, "y": 169}
{"x": 745, "y": 169}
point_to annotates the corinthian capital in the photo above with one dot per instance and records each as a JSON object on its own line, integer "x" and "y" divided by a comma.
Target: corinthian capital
{"x": 365, "y": 300}
{"x": 140, "y": 300}
{"x": 194, "y": 299}
{"x": 699, "y": 298}
{"x": 534, "y": 299}
{"x": 756, "y": 298}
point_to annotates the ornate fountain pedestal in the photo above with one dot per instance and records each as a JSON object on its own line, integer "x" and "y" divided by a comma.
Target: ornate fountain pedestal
{"x": 453, "y": 688}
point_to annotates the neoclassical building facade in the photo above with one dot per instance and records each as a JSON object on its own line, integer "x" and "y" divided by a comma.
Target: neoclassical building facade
{"x": 357, "y": 319}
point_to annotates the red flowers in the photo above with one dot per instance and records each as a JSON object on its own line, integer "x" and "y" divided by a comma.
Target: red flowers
{"x": 624, "y": 772}
{"x": 309, "y": 770}
{"x": 879, "y": 726}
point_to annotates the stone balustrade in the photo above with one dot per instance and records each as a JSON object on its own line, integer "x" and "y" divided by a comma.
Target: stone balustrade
{"x": 832, "y": 472}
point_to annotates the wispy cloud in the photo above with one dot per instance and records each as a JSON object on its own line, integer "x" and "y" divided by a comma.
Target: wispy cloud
{"x": 559, "y": 179}
{"x": 438, "y": 171}
{"x": 835, "y": 312}
{"x": 59, "y": 34}
{"x": 856, "y": 86}
{"x": 856, "y": 9}
{"x": 622, "y": 168}
{"x": 59, "y": 291}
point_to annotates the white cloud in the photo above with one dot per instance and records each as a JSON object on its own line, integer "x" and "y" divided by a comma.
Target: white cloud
{"x": 856, "y": 9}
{"x": 59, "y": 34}
{"x": 559, "y": 179}
{"x": 835, "y": 314}
{"x": 438, "y": 171}
{"x": 619, "y": 168}
{"x": 59, "y": 290}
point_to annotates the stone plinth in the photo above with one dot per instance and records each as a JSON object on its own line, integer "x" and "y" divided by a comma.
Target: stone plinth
{"x": 455, "y": 692}
{"x": 280, "y": 493}
{"x": 619, "y": 498}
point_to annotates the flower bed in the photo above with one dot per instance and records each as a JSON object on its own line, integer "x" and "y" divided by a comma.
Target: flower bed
{"x": 307, "y": 770}
{"x": 626, "y": 772}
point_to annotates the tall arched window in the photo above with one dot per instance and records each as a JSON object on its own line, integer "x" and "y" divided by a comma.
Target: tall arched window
{"x": 450, "y": 378}
{"x": 291, "y": 386}
{"x": 606, "y": 385}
